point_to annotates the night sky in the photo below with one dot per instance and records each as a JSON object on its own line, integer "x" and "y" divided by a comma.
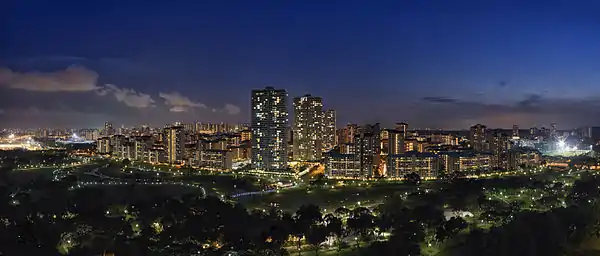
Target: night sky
{"x": 433, "y": 64}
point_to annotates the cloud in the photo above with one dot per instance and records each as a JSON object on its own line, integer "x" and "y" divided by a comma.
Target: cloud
{"x": 532, "y": 110}
{"x": 72, "y": 79}
{"x": 232, "y": 109}
{"x": 439, "y": 100}
{"x": 178, "y": 109}
{"x": 34, "y": 117}
{"x": 128, "y": 96}
{"x": 530, "y": 101}
{"x": 179, "y": 103}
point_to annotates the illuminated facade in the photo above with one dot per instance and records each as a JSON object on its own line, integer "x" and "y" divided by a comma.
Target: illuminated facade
{"x": 360, "y": 159}
{"x": 342, "y": 166}
{"x": 127, "y": 150}
{"x": 241, "y": 153}
{"x": 523, "y": 158}
{"x": 347, "y": 148}
{"x": 329, "y": 128}
{"x": 499, "y": 144}
{"x": 395, "y": 143}
{"x": 108, "y": 129}
{"x": 103, "y": 145}
{"x": 415, "y": 145}
{"x": 368, "y": 149}
{"x": 156, "y": 154}
{"x": 214, "y": 128}
{"x": 427, "y": 165}
{"x": 403, "y": 127}
{"x": 308, "y": 128}
{"x": 141, "y": 144}
{"x": 465, "y": 161}
{"x": 220, "y": 144}
{"x": 246, "y": 135}
{"x": 346, "y": 134}
{"x": 116, "y": 142}
{"x": 175, "y": 138}
{"x": 269, "y": 124}
{"x": 443, "y": 139}
{"x": 477, "y": 137}
{"x": 213, "y": 159}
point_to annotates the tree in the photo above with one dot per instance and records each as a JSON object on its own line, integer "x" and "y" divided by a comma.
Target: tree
{"x": 126, "y": 162}
{"x": 316, "y": 235}
{"x": 335, "y": 227}
{"x": 428, "y": 215}
{"x": 413, "y": 178}
{"x": 342, "y": 212}
{"x": 450, "y": 228}
{"x": 361, "y": 222}
{"x": 405, "y": 240}
{"x": 305, "y": 217}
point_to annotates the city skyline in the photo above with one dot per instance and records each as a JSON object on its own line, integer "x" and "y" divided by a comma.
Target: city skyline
{"x": 434, "y": 65}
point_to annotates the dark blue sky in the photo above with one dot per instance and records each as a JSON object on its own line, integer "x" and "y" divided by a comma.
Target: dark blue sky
{"x": 446, "y": 64}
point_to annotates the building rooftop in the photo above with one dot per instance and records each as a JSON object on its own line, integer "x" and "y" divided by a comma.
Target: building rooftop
{"x": 414, "y": 154}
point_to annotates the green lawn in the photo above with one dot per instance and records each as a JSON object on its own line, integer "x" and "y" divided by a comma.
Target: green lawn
{"x": 327, "y": 198}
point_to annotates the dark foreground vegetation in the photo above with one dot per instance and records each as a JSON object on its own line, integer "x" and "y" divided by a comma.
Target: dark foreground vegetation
{"x": 541, "y": 213}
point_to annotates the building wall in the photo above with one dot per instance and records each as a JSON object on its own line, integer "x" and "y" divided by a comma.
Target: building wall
{"x": 220, "y": 160}
{"x": 342, "y": 166}
{"x": 329, "y": 128}
{"x": 175, "y": 143}
{"x": 477, "y": 137}
{"x": 395, "y": 142}
{"x": 426, "y": 165}
{"x": 465, "y": 162}
{"x": 308, "y": 128}
{"x": 269, "y": 125}
{"x": 368, "y": 149}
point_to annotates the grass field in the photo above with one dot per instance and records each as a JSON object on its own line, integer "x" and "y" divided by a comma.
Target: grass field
{"x": 327, "y": 198}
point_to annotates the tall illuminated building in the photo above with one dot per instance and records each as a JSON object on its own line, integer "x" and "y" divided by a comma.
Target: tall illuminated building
{"x": 403, "y": 127}
{"x": 308, "y": 128}
{"x": 395, "y": 142}
{"x": 477, "y": 137}
{"x": 175, "y": 138}
{"x": 533, "y": 132}
{"x": 498, "y": 145}
{"x": 346, "y": 134}
{"x": 515, "y": 131}
{"x": 329, "y": 125}
{"x": 108, "y": 129}
{"x": 368, "y": 149}
{"x": 269, "y": 119}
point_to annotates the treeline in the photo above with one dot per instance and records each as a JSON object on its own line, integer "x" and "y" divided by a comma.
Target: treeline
{"x": 44, "y": 218}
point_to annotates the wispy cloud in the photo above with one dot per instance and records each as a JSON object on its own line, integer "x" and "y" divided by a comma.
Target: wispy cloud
{"x": 179, "y": 103}
{"x": 232, "y": 109}
{"x": 532, "y": 110}
{"x": 439, "y": 99}
{"x": 72, "y": 79}
{"x": 128, "y": 96}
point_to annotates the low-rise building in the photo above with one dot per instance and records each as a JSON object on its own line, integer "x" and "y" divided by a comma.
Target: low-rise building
{"x": 213, "y": 159}
{"x": 156, "y": 154}
{"x": 523, "y": 158}
{"x": 427, "y": 165}
{"x": 466, "y": 161}
{"x": 141, "y": 144}
{"x": 241, "y": 153}
{"x": 103, "y": 145}
{"x": 127, "y": 150}
{"x": 342, "y": 165}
